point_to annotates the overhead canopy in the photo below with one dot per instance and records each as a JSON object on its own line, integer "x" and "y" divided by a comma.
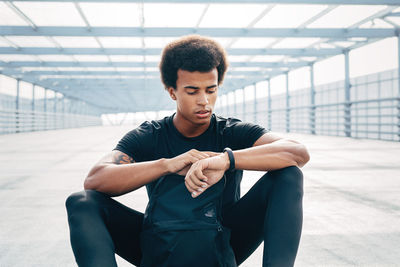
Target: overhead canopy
{"x": 106, "y": 53}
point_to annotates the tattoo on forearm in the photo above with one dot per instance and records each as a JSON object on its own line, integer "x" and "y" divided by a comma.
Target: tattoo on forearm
{"x": 122, "y": 159}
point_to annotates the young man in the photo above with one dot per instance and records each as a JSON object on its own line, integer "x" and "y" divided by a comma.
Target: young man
{"x": 201, "y": 153}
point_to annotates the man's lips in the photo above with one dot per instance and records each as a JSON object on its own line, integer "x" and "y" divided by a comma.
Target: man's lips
{"x": 202, "y": 111}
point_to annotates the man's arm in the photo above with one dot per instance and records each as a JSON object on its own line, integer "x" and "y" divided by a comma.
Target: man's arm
{"x": 269, "y": 152}
{"x": 117, "y": 173}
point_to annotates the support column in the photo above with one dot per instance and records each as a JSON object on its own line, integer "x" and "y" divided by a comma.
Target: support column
{"x": 312, "y": 100}
{"x": 398, "y": 86}
{"x": 17, "y": 128}
{"x": 227, "y": 105}
{"x": 55, "y": 111}
{"x": 63, "y": 111}
{"x": 269, "y": 106}
{"x": 234, "y": 104}
{"x": 244, "y": 105}
{"x": 287, "y": 104}
{"x": 347, "y": 103}
{"x": 33, "y": 108}
{"x": 255, "y": 104}
{"x": 45, "y": 109}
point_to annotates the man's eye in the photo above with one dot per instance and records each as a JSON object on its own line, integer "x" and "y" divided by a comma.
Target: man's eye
{"x": 191, "y": 92}
{"x": 211, "y": 91}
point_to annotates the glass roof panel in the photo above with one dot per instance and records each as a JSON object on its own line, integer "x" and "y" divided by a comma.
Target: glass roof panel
{"x": 343, "y": 43}
{"x": 3, "y": 42}
{"x": 112, "y": 14}
{"x": 157, "y": 42}
{"x": 72, "y": 68}
{"x": 288, "y": 16}
{"x": 122, "y": 42}
{"x": 348, "y": 14}
{"x": 296, "y": 42}
{"x": 237, "y": 58}
{"x": 223, "y": 41}
{"x": 152, "y": 58}
{"x": 178, "y": 15}
{"x": 267, "y": 58}
{"x": 252, "y": 42}
{"x": 55, "y": 58}
{"x": 31, "y": 41}
{"x": 124, "y": 58}
{"x": 10, "y": 57}
{"x": 233, "y": 15}
{"x": 51, "y": 14}
{"x": 8, "y": 17}
{"x": 91, "y": 58}
{"x": 130, "y": 69}
{"x": 85, "y": 42}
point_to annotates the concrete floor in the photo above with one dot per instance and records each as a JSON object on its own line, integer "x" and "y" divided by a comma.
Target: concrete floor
{"x": 351, "y": 201}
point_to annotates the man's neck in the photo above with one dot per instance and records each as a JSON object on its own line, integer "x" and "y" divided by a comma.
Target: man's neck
{"x": 187, "y": 128}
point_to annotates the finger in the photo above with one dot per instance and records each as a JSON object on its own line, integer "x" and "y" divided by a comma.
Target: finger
{"x": 191, "y": 186}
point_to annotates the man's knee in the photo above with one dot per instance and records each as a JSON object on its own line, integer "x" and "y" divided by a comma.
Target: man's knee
{"x": 291, "y": 178}
{"x": 84, "y": 200}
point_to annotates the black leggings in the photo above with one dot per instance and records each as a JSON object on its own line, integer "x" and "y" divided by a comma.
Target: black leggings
{"x": 271, "y": 211}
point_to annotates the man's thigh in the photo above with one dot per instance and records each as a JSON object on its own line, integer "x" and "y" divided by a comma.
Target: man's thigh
{"x": 124, "y": 225}
{"x": 246, "y": 217}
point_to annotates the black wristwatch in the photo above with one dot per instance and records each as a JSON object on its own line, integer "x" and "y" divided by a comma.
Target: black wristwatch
{"x": 231, "y": 159}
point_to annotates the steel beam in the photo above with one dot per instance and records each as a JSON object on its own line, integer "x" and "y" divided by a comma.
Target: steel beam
{"x": 129, "y": 64}
{"x": 140, "y": 73}
{"x": 320, "y": 2}
{"x": 301, "y": 52}
{"x": 212, "y": 32}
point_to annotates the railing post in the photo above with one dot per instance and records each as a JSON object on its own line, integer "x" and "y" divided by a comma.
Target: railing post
{"x": 287, "y": 104}
{"x": 17, "y": 108}
{"x": 33, "y": 108}
{"x": 312, "y": 100}
{"x": 269, "y": 106}
{"x": 45, "y": 108}
{"x": 55, "y": 111}
{"x": 244, "y": 104}
{"x": 398, "y": 85}
{"x": 255, "y": 103}
{"x": 347, "y": 103}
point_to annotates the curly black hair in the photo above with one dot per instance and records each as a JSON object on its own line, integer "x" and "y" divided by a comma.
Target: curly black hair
{"x": 192, "y": 53}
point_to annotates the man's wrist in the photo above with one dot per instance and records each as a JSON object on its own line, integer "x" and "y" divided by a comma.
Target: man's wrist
{"x": 231, "y": 159}
{"x": 225, "y": 157}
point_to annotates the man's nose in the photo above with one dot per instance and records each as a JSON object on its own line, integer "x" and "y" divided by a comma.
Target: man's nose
{"x": 202, "y": 99}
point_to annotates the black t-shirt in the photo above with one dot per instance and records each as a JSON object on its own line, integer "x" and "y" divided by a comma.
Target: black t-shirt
{"x": 160, "y": 139}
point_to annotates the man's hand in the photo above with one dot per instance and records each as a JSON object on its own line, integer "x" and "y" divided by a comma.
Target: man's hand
{"x": 205, "y": 173}
{"x": 182, "y": 163}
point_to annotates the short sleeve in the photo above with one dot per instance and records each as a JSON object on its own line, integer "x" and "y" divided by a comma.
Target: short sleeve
{"x": 138, "y": 142}
{"x": 243, "y": 134}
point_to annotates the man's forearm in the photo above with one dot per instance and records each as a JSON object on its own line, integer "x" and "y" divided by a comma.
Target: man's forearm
{"x": 115, "y": 180}
{"x": 276, "y": 155}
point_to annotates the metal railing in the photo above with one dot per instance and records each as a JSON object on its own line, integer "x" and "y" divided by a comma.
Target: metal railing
{"x": 372, "y": 113}
{"x": 16, "y": 121}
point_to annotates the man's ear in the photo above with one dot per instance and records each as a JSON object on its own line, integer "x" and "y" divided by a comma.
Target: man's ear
{"x": 171, "y": 92}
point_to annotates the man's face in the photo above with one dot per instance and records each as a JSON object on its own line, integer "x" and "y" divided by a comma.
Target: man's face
{"x": 195, "y": 95}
